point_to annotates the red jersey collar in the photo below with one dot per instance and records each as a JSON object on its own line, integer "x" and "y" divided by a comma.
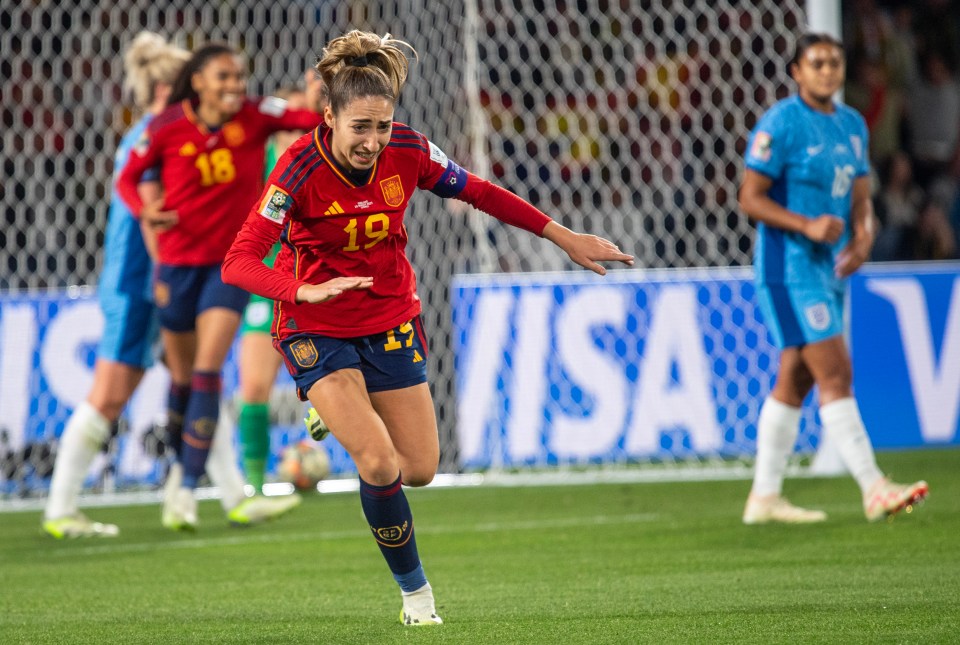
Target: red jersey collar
{"x": 320, "y": 140}
{"x": 190, "y": 112}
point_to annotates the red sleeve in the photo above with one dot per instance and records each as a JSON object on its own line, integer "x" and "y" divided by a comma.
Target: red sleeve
{"x": 502, "y": 204}
{"x": 144, "y": 155}
{"x": 276, "y": 116}
{"x": 243, "y": 266}
{"x": 300, "y": 120}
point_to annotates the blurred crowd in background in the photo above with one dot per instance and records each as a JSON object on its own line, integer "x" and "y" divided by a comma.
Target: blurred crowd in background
{"x": 903, "y": 75}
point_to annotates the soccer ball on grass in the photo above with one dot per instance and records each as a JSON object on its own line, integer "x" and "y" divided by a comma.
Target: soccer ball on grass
{"x": 304, "y": 465}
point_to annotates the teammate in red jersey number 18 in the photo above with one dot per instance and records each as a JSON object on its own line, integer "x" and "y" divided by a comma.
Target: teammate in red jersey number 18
{"x": 347, "y": 320}
{"x": 209, "y": 146}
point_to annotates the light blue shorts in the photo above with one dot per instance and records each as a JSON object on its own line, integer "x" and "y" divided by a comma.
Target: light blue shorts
{"x": 798, "y": 316}
{"x": 130, "y": 329}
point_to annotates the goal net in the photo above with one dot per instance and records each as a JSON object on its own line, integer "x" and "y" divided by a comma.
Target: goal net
{"x": 622, "y": 118}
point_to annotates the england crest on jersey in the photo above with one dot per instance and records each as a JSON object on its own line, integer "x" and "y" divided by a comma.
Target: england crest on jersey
{"x": 857, "y": 144}
{"x": 818, "y": 316}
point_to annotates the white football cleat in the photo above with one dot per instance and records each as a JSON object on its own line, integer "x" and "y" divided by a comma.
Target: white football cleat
{"x": 180, "y": 511}
{"x": 259, "y": 508}
{"x": 78, "y": 525}
{"x": 418, "y": 608}
{"x": 174, "y": 480}
{"x": 886, "y": 498}
{"x": 315, "y": 426}
{"x": 776, "y": 508}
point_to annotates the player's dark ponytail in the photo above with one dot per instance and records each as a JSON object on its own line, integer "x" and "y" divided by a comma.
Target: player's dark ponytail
{"x": 183, "y": 86}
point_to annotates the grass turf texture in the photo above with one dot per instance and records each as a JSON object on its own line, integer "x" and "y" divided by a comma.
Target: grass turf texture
{"x": 609, "y": 563}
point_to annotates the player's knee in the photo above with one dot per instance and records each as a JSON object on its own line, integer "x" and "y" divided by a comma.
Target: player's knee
{"x": 837, "y": 382}
{"x": 420, "y": 477}
{"x": 110, "y": 406}
{"x": 377, "y": 467}
{"x": 254, "y": 392}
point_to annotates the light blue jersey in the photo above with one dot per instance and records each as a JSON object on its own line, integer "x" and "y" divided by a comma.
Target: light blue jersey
{"x": 130, "y": 325}
{"x": 813, "y": 159}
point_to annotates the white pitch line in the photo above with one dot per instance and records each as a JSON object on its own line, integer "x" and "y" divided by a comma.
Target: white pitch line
{"x": 486, "y": 527}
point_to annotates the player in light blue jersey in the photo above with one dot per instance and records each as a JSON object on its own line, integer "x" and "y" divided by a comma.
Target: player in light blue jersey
{"x": 807, "y": 185}
{"x": 130, "y": 327}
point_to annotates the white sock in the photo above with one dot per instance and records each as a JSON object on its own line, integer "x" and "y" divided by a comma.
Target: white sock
{"x": 841, "y": 418}
{"x": 80, "y": 442}
{"x": 222, "y": 465}
{"x": 777, "y": 431}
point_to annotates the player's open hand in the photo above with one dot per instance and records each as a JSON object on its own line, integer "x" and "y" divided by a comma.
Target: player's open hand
{"x": 586, "y": 250}
{"x": 314, "y": 293}
{"x": 158, "y": 219}
{"x": 825, "y": 228}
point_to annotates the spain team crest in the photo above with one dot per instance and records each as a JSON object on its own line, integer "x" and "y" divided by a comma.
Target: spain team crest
{"x": 161, "y": 294}
{"x": 233, "y": 134}
{"x": 392, "y": 189}
{"x": 304, "y": 352}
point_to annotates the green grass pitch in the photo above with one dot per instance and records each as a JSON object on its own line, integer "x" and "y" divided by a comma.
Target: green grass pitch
{"x": 606, "y": 563}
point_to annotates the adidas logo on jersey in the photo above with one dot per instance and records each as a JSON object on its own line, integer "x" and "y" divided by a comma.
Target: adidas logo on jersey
{"x": 334, "y": 209}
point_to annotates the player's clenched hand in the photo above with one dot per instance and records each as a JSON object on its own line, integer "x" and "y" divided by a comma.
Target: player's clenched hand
{"x": 852, "y": 256}
{"x": 156, "y": 218}
{"x": 825, "y": 228}
{"x": 314, "y": 293}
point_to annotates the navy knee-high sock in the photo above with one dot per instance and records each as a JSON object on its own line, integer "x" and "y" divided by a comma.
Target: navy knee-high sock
{"x": 391, "y": 522}
{"x": 199, "y": 424}
{"x": 177, "y": 399}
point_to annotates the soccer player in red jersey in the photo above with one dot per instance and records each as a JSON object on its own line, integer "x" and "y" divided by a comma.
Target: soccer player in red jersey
{"x": 209, "y": 147}
{"x": 347, "y": 313}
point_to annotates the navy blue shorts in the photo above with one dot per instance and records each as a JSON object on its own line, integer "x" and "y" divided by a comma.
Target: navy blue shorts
{"x": 390, "y": 360}
{"x": 183, "y": 293}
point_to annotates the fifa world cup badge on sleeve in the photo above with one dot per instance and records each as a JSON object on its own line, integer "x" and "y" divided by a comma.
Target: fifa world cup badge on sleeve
{"x": 761, "y": 146}
{"x": 276, "y": 204}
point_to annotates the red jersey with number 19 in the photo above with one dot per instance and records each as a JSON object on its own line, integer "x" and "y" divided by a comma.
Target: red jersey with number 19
{"x": 210, "y": 178}
{"x": 336, "y": 222}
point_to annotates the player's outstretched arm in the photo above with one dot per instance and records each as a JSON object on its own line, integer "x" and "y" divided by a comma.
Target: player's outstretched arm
{"x": 586, "y": 250}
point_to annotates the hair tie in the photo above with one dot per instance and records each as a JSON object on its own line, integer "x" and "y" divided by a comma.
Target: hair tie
{"x": 358, "y": 61}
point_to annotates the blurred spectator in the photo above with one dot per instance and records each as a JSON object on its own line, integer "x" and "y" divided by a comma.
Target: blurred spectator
{"x": 867, "y": 31}
{"x": 937, "y": 28}
{"x": 881, "y": 105}
{"x": 900, "y": 55}
{"x": 933, "y": 118}
{"x": 935, "y": 238}
{"x": 898, "y": 207}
